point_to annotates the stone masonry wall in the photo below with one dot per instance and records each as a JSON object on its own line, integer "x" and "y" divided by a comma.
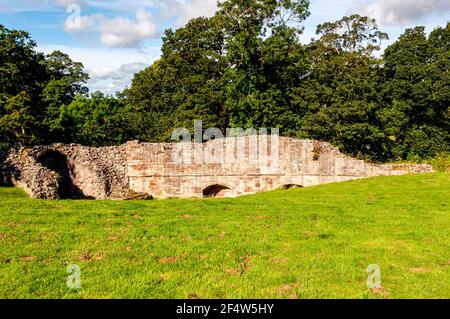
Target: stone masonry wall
{"x": 151, "y": 167}
{"x": 140, "y": 170}
{"x": 98, "y": 173}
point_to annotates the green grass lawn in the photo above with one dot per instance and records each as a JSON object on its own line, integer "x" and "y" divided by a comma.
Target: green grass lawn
{"x": 303, "y": 243}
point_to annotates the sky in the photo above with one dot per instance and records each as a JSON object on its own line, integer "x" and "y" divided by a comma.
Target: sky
{"x": 114, "y": 39}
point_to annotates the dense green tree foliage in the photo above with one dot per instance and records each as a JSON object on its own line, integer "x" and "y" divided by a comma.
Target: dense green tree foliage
{"x": 416, "y": 93}
{"x": 96, "y": 121}
{"x": 65, "y": 81}
{"x": 187, "y": 83}
{"x": 246, "y": 67}
{"x": 264, "y": 59}
{"x": 21, "y": 72}
{"x": 339, "y": 99}
{"x": 33, "y": 88}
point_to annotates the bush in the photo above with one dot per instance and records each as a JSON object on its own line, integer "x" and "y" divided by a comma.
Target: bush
{"x": 441, "y": 162}
{"x": 414, "y": 159}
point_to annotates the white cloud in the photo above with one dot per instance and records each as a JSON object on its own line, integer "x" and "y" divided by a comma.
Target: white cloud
{"x": 403, "y": 12}
{"x": 124, "y": 30}
{"x": 111, "y": 80}
{"x": 109, "y": 70}
{"x": 182, "y": 10}
{"x": 75, "y": 24}
{"x": 188, "y": 9}
{"x": 124, "y": 5}
{"x": 41, "y": 5}
{"x": 120, "y": 73}
{"x": 66, "y": 3}
{"x": 118, "y": 32}
{"x": 121, "y": 32}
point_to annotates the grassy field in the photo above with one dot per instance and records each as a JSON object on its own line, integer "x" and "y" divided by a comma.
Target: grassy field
{"x": 303, "y": 243}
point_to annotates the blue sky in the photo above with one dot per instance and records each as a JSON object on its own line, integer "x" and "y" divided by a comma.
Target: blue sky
{"x": 116, "y": 38}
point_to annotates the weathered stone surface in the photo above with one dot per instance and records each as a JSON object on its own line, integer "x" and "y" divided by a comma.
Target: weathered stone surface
{"x": 98, "y": 173}
{"x": 141, "y": 170}
{"x": 151, "y": 168}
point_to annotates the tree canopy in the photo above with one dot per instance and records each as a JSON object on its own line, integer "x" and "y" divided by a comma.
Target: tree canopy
{"x": 246, "y": 67}
{"x": 33, "y": 88}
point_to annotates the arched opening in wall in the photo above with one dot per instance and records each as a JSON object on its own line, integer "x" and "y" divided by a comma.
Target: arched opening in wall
{"x": 290, "y": 186}
{"x": 59, "y": 164}
{"x": 215, "y": 191}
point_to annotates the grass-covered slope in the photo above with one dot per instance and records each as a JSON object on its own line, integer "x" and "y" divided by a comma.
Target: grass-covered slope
{"x": 303, "y": 243}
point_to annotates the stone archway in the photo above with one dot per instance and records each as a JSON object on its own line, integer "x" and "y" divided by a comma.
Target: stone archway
{"x": 58, "y": 163}
{"x": 215, "y": 190}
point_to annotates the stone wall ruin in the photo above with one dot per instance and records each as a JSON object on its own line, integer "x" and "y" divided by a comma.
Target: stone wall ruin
{"x": 142, "y": 170}
{"x": 68, "y": 171}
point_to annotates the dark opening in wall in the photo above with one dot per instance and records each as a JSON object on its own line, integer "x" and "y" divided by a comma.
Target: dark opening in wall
{"x": 58, "y": 163}
{"x": 290, "y": 186}
{"x": 214, "y": 191}
{"x": 317, "y": 152}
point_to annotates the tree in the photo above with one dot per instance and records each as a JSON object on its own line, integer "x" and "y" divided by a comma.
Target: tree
{"x": 33, "y": 88}
{"x": 21, "y": 67}
{"x": 246, "y": 67}
{"x": 66, "y": 79}
{"x": 339, "y": 98}
{"x": 353, "y": 33}
{"x": 21, "y": 72}
{"x": 255, "y": 28}
{"x": 187, "y": 82}
{"x": 96, "y": 121}
{"x": 416, "y": 95}
{"x": 17, "y": 120}
{"x": 235, "y": 69}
